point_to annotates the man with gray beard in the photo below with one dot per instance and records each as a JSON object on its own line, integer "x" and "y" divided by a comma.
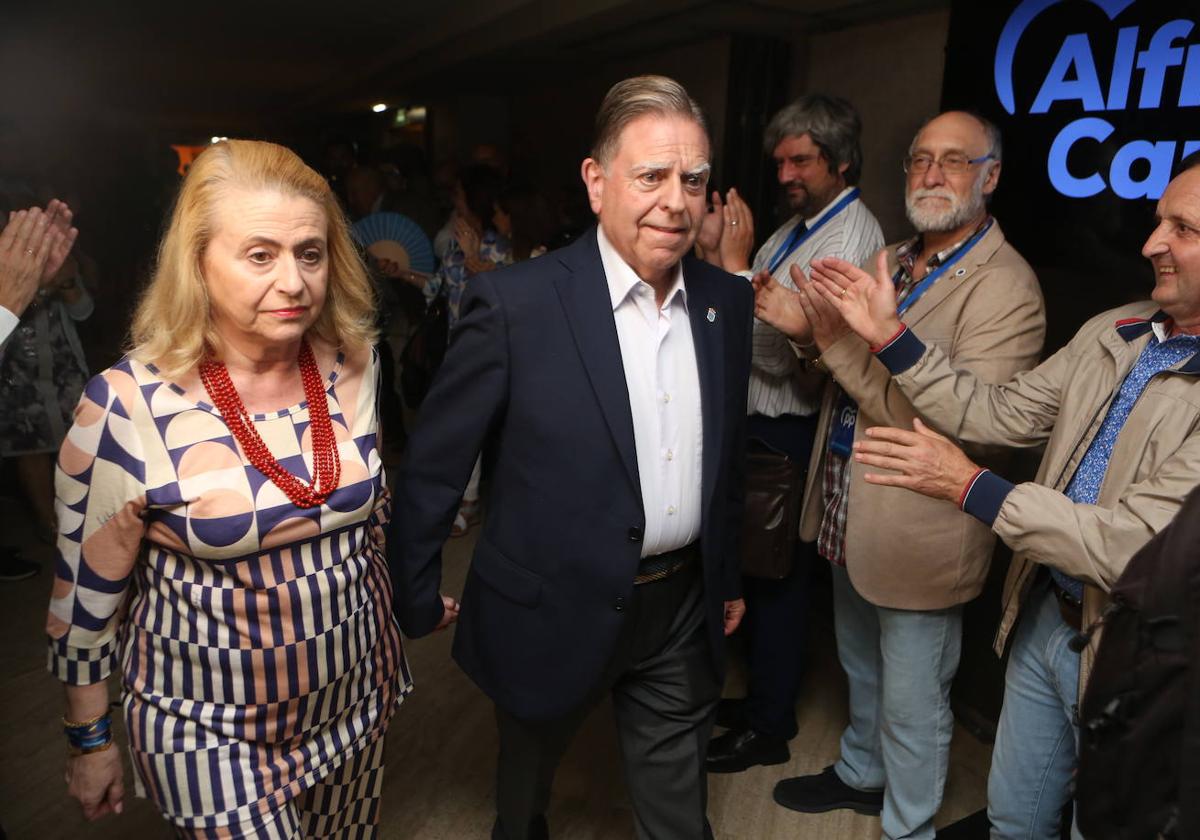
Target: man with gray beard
{"x": 903, "y": 567}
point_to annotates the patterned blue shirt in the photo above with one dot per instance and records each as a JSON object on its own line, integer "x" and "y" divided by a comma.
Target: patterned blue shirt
{"x": 1085, "y": 484}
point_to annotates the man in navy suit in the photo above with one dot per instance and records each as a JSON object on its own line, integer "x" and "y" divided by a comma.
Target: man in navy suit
{"x": 605, "y": 385}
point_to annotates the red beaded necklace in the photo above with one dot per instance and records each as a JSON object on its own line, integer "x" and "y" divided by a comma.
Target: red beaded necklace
{"x": 327, "y": 466}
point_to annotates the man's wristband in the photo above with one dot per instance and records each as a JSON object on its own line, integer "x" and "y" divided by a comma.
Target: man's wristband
{"x": 984, "y": 495}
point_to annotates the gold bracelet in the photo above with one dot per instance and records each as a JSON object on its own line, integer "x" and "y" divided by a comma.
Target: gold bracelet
{"x": 73, "y": 752}
{"x": 89, "y": 722}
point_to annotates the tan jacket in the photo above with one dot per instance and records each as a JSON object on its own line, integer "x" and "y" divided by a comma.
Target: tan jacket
{"x": 1062, "y": 403}
{"x": 903, "y": 550}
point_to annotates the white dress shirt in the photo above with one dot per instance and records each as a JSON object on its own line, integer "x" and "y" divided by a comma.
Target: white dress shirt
{"x": 8, "y": 323}
{"x": 778, "y": 385}
{"x": 659, "y": 358}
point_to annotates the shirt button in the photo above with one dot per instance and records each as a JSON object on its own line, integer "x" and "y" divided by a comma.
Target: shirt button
{"x": 619, "y": 604}
{"x": 666, "y": 398}
{"x": 671, "y": 510}
{"x": 670, "y": 455}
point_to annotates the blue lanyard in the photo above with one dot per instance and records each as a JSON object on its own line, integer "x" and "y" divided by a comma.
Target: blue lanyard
{"x": 922, "y": 287}
{"x": 794, "y": 242}
{"x": 845, "y": 411}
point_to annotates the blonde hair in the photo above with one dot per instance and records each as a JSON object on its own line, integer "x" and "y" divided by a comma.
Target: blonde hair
{"x": 173, "y": 325}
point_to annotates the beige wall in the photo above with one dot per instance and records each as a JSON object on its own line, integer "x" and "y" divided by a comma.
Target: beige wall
{"x": 892, "y": 71}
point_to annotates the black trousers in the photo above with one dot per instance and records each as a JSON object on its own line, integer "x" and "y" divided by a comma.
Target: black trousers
{"x": 777, "y": 610}
{"x": 664, "y": 695}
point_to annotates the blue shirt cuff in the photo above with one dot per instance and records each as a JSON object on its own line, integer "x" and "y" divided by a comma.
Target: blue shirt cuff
{"x": 902, "y": 352}
{"x": 985, "y": 496}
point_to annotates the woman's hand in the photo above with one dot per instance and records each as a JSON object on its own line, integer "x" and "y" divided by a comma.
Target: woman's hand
{"x": 97, "y": 780}
{"x": 450, "y": 609}
{"x": 467, "y": 238}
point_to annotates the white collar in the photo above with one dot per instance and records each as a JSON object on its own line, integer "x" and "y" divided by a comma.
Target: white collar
{"x": 622, "y": 279}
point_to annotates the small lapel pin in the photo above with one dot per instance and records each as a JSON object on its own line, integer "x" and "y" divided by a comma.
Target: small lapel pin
{"x": 712, "y": 315}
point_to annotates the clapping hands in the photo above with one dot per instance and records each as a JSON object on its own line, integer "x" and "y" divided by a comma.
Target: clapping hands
{"x": 33, "y": 247}
{"x": 726, "y": 235}
{"x": 866, "y": 303}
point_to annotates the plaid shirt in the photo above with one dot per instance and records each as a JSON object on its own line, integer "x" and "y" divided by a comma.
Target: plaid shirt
{"x": 835, "y": 483}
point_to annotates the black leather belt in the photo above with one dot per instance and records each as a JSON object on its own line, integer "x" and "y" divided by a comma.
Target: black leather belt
{"x": 1069, "y": 607}
{"x": 660, "y": 566}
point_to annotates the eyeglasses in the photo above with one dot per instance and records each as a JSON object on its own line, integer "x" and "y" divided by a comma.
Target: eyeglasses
{"x": 950, "y": 164}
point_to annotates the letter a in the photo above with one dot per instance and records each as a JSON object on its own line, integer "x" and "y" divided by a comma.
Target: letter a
{"x": 1076, "y": 52}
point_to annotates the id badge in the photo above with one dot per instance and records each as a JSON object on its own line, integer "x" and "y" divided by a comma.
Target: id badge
{"x": 841, "y": 431}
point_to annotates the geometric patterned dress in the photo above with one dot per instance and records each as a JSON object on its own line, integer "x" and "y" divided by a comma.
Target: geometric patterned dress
{"x": 256, "y": 641}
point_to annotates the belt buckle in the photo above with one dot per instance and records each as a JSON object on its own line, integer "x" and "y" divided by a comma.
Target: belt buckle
{"x": 658, "y": 574}
{"x": 1069, "y": 609}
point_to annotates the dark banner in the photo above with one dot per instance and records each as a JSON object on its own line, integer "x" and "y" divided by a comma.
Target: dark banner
{"x": 1096, "y": 101}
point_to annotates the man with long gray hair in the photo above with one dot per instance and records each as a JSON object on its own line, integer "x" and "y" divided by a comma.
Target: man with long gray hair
{"x": 814, "y": 143}
{"x": 903, "y": 565}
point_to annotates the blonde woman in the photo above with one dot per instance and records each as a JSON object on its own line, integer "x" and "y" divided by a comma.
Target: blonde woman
{"x": 220, "y": 505}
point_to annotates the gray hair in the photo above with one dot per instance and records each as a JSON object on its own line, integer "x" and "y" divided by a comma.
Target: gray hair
{"x": 990, "y": 133}
{"x": 830, "y": 121}
{"x": 632, "y": 98}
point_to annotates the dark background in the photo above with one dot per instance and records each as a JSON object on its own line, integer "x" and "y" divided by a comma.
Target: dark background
{"x": 1086, "y": 251}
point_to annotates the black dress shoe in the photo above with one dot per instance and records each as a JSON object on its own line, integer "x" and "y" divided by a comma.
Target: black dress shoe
{"x": 731, "y": 713}
{"x": 538, "y": 830}
{"x": 739, "y": 749}
{"x": 826, "y": 792}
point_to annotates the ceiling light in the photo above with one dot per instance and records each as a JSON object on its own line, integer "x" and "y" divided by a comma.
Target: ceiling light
{"x": 379, "y": 107}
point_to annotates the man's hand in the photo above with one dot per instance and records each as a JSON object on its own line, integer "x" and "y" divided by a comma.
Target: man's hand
{"x": 779, "y": 306}
{"x": 734, "y": 610}
{"x": 737, "y": 240}
{"x": 450, "y": 609}
{"x": 97, "y": 781}
{"x": 58, "y": 218}
{"x": 711, "y": 230}
{"x": 868, "y": 304}
{"x": 25, "y": 248}
{"x": 928, "y": 463}
{"x": 828, "y": 326}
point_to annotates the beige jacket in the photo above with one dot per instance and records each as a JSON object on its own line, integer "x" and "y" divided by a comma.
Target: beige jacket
{"x": 904, "y": 550}
{"x": 1062, "y": 403}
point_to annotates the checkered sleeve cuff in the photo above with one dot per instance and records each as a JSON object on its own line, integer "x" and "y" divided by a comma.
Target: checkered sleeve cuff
{"x": 81, "y": 666}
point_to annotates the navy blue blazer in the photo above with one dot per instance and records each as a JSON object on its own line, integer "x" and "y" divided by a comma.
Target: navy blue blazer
{"x": 533, "y": 379}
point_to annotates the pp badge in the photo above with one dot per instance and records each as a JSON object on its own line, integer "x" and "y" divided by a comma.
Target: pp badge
{"x": 841, "y": 431}
{"x": 712, "y": 315}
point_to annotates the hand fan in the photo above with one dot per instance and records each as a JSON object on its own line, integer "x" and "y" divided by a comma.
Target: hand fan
{"x": 391, "y": 236}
